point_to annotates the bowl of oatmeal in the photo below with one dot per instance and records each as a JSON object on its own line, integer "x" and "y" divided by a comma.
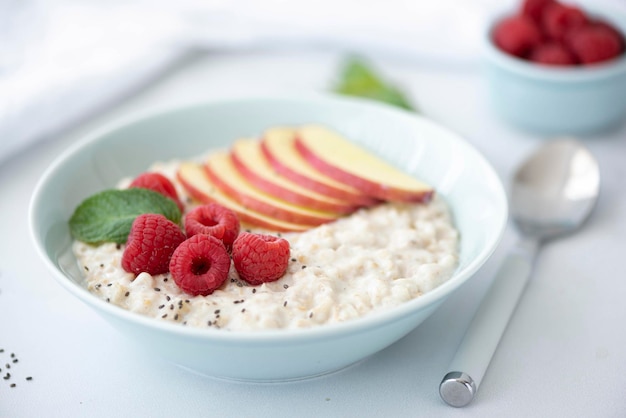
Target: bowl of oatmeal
{"x": 354, "y": 284}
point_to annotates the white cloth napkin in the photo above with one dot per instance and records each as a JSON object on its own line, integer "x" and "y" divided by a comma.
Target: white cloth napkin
{"x": 63, "y": 60}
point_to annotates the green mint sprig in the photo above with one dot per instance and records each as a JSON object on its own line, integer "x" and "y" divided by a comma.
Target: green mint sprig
{"x": 108, "y": 216}
{"x": 357, "y": 78}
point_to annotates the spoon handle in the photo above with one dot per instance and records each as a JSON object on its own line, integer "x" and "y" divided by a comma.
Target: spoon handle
{"x": 472, "y": 358}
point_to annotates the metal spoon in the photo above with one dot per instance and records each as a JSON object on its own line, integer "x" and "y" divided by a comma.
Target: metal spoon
{"x": 552, "y": 194}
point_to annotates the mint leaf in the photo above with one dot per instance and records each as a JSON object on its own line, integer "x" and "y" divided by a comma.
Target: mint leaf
{"x": 358, "y": 79}
{"x": 107, "y": 216}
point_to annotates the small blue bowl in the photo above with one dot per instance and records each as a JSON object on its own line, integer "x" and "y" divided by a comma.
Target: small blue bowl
{"x": 558, "y": 100}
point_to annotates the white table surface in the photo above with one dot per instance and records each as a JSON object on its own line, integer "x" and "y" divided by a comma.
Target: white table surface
{"x": 563, "y": 354}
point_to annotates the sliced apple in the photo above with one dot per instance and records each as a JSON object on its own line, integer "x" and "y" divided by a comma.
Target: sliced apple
{"x": 194, "y": 179}
{"x": 335, "y": 156}
{"x": 256, "y": 169}
{"x": 223, "y": 174}
{"x": 278, "y": 146}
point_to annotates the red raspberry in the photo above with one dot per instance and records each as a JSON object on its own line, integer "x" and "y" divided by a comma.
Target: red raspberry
{"x": 558, "y": 19}
{"x": 151, "y": 242}
{"x": 260, "y": 258}
{"x": 200, "y": 265}
{"x": 158, "y": 183}
{"x": 552, "y": 53}
{"x": 612, "y": 29}
{"x": 534, "y": 8}
{"x": 213, "y": 219}
{"x": 516, "y": 35}
{"x": 593, "y": 44}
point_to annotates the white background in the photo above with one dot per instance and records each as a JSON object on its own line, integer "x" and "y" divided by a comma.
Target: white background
{"x": 563, "y": 352}
{"x": 562, "y": 355}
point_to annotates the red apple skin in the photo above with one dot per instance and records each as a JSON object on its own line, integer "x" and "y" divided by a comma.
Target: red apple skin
{"x": 249, "y": 217}
{"x": 268, "y": 209}
{"x": 378, "y": 190}
{"x": 306, "y": 182}
{"x": 296, "y": 197}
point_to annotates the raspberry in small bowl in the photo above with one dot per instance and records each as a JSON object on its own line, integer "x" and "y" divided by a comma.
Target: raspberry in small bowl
{"x": 558, "y": 68}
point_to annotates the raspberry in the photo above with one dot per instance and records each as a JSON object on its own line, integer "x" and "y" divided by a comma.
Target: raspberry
{"x": 158, "y": 183}
{"x": 552, "y": 53}
{"x": 594, "y": 44}
{"x": 213, "y": 219}
{"x": 200, "y": 265}
{"x": 558, "y": 19}
{"x": 151, "y": 242}
{"x": 260, "y": 258}
{"x": 612, "y": 29}
{"x": 516, "y": 35}
{"x": 534, "y": 8}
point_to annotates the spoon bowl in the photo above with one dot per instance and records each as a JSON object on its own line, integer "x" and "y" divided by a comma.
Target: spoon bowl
{"x": 555, "y": 190}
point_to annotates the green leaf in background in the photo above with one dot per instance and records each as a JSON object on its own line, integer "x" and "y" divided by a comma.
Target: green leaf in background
{"x": 358, "y": 79}
{"x": 107, "y": 216}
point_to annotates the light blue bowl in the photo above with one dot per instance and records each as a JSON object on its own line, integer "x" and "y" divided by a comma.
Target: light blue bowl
{"x": 558, "y": 100}
{"x": 459, "y": 173}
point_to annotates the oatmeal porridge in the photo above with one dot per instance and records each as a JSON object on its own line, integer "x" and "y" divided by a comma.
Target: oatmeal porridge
{"x": 372, "y": 260}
